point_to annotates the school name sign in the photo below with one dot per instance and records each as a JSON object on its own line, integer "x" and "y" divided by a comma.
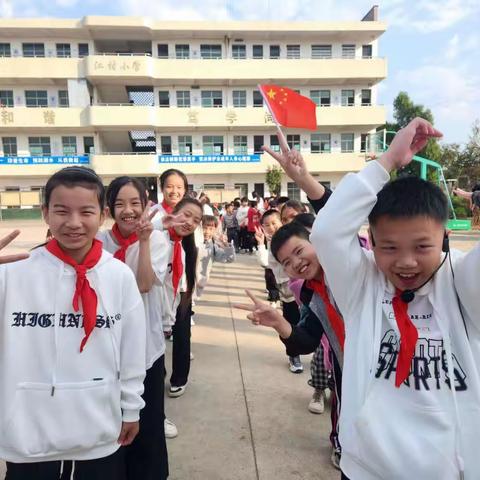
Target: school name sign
{"x": 209, "y": 158}
{"x": 51, "y": 160}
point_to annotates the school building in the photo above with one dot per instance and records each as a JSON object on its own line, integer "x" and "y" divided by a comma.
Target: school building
{"x": 130, "y": 95}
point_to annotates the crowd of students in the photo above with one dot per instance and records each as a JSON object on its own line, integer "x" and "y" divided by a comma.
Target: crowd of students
{"x": 392, "y": 320}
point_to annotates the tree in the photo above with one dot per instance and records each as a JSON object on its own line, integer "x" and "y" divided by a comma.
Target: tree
{"x": 273, "y": 179}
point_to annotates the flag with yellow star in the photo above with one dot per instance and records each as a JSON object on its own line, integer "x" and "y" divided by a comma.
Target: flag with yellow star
{"x": 289, "y": 108}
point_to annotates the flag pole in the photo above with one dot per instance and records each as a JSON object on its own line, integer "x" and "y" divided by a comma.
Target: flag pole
{"x": 279, "y": 130}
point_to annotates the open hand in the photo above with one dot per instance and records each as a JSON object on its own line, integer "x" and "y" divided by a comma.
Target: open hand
{"x": 4, "y": 242}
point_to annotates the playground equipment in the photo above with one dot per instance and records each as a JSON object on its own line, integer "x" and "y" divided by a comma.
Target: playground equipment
{"x": 376, "y": 143}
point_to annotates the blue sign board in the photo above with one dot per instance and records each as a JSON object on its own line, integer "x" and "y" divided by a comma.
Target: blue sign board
{"x": 52, "y": 160}
{"x": 209, "y": 158}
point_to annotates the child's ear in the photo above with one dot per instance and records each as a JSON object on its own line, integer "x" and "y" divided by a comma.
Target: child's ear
{"x": 103, "y": 215}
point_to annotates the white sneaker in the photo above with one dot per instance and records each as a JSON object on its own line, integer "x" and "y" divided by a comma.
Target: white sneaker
{"x": 176, "y": 391}
{"x": 335, "y": 458}
{"x": 317, "y": 403}
{"x": 192, "y": 356}
{"x": 295, "y": 364}
{"x": 192, "y": 321}
{"x": 170, "y": 429}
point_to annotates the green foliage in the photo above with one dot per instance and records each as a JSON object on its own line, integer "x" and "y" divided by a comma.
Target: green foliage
{"x": 461, "y": 207}
{"x": 273, "y": 179}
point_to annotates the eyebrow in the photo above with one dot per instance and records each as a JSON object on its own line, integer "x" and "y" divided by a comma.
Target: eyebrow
{"x": 59, "y": 205}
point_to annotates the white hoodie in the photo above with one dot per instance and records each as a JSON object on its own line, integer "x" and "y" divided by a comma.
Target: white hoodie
{"x": 55, "y": 402}
{"x": 385, "y": 432}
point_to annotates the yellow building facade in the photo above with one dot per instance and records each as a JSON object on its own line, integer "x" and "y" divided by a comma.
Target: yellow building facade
{"x": 127, "y": 95}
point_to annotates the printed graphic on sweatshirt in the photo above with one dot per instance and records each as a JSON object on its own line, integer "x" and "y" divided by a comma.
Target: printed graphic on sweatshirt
{"x": 429, "y": 367}
{"x": 66, "y": 320}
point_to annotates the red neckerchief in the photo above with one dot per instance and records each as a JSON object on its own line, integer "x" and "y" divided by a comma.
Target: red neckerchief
{"x": 83, "y": 290}
{"x": 166, "y": 207}
{"x": 123, "y": 242}
{"x": 177, "y": 264}
{"x": 408, "y": 338}
{"x": 336, "y": 321}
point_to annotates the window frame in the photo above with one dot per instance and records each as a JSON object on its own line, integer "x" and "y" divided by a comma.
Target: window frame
{"x": 42, "y": 142}
{"x": 319, "y": 55}
{"x": 180, "y": 52}
{"x": 343, "y": 141}
{"x": 161, "y": 102}
{"x": 63, "y": 50}
{"x": 239, "y": 51}
{"x": 29, "y": 98}
{"x": 211, "y": 51}
{"x": 345, "y": 98}
{"x": 8, "y": 99}
{"x": 243, "y": 97}
{"x": 34, "y": 47}
{"x": 69, "y": 141}
{"x": 240, "y": 144}
{"x": 212, "y": 95}
{"x": 9, "y": 145}
{"x": 184, "y": 99}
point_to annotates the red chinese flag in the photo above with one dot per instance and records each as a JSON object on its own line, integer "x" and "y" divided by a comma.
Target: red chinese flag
{"x": 289, "y": 108}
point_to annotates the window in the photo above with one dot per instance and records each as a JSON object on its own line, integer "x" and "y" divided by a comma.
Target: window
{"x": 6, "y": 98}
{"x": 182, "y": 51}
{"x": 88, "y": 145}
{"x": 366, "y": 97}
{"x": 162, "y": 49}
{"x": 274, "y": 145}
{"x": 9, "y": 146}
{"x": 36, "y": 98}
{"x": 239, "y": 98}
{"x": 293, "y": 51}
{"x": 164, "y": 98}
{"x": 69, "y": 145}
{"x": 348, "y": 51}
{"x": 82, "y": 49}
{"x": 274, "y": 51}
{"x": 166, "y": 144}
{"x": 293, "y": 192}
{"x": 240, "y": 145}
{"x": 366, "y": 51}
{"x": 239, "y": 51}
{"x": 33, "y": 49}
{"x": 320, "y": 97}
{"x": 5, "y": 50}
{"x": 183, "y": 98}
{"x": 63, "y": 50}
{"x": 242, "y": 188}
{"x": 321, "y": 51}
{"x": 257, "y": 51}
{"x": 63, "y": 98}
{"x": 39, "y": 146}
{"x": 348, "y": 98}
{"x": 211, "y": 51}
{"x": 320, "y": 143}
{"x": 294, "y": 141}
{"x": 257, "y": 99}
{"x": 213, "y": 145}
{"x": 213, "y": 186}
{"x": 258, "y": 142}
{"x": 185, "y": 145}
{"x": 346, "y": 142}
{"x": 212, "y": 98}
{"x": 363, "y": 142}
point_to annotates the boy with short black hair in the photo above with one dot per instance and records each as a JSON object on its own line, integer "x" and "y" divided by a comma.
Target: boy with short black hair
{"x": 230, "y": 225}
{"x": 411, "y": 317}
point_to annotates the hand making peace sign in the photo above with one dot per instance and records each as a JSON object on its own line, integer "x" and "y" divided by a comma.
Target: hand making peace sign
{"x": 4, "y": 242}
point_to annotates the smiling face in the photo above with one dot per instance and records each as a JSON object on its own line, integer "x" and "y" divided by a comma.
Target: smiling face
{"x": 192, "y": 215}
{"x": 128, "y": 209}
{"x": 173, "y": 189}
{"x": 271, "y": 223}
{"x": 74, "y": 217}
{"x": 209, "y": 231}
{"x": 299, "y": 260}
{"x": 407, "y": 250}
{"x": 288, "y": 214}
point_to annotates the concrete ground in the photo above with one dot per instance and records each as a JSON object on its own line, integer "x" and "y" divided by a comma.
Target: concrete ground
{"x": 244, "y": 415}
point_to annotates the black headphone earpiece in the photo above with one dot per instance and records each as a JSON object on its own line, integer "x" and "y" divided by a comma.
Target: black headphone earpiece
{"x": 445, "y": 243}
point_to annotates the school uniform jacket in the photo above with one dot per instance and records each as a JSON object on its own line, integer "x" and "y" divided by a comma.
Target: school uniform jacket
{"x": 55, "y": 402}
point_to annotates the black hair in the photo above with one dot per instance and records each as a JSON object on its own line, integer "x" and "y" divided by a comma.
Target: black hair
{"x": 244, "y": 199}
{"x": 285, "y": 233}
{"x": 282, "y": 200}
{"x": 236, "y": 204}
{"x": 410, "y": 196}
{"x": 190, "y": 249}
{"x": 117, "y": 184}
{"x": 208, "y": 220}
{"x": 295, "y": 205}
{"x": 252, "y": 204}
{"x": 173, "y": 171}
{"x": 71, "y": 177}
{"x": 269, "y": 213}
{"x": 305, "y": 219}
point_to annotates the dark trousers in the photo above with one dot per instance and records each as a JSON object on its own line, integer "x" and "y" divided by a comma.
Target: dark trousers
{"x": 251, "y": 241}
{"x": 242, "y": 238}
{"x": 344, "y": 477}
{"x": 181, "y": 343}
{"x": 291, "y": 312}
{"x": 271, "y": 286}
{"x": 232, "y": 234}
{"x": 147, "y": 458}
{"x": 98, "y": 469}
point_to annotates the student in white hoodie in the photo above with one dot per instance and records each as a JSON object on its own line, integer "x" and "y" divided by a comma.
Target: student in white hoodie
{"x": 72, "y": 343}
{"x": 411, "y": 310}
{"x": 133, "y": 241}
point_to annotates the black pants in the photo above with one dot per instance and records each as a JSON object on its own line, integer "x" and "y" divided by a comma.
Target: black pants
{"x": 111, "y": 467}
{"x": 147, "y": 458}
{"x": 271, "y": 286}
{"x": 242, "y": 238}
{"x": 251, "y": 241}
{"x": 232, "y": 234}
{"x": 291, "y": 312}
{"x": 181, "y": 343}
{"x": 344, "y": 477}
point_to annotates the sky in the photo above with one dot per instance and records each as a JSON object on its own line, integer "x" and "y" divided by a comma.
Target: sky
{"x": 432, "y": 46}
